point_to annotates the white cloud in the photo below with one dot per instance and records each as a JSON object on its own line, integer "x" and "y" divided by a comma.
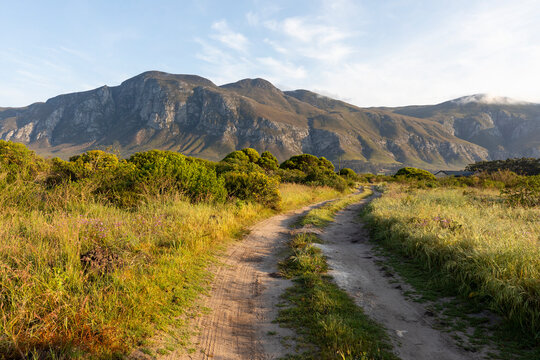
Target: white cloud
{"x": 228, "y": 37}
{"x": 484, "y": 47}
{"x": 280, "y": 70}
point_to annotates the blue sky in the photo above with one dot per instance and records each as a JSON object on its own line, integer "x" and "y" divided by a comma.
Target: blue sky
{"x": 369, "y": 53}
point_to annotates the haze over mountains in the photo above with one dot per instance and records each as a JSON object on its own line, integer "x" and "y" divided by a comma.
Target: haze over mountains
{"x": 190, "y": 114}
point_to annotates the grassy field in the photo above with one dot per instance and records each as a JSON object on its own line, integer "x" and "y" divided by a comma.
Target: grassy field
{"x": 79, "y": 277}
{"x": 479, "y": 245}
{"x": 327, "y": 319}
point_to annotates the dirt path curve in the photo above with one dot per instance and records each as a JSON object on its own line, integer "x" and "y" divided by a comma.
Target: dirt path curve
{"x": 243, "y": 299}
{"x": 354, "y": 268}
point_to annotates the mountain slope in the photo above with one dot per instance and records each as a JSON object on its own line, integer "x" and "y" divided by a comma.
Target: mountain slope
{"x": 190, "y": 114}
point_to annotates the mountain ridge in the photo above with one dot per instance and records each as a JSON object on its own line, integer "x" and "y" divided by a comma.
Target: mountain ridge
{"x": 191, "y": 114}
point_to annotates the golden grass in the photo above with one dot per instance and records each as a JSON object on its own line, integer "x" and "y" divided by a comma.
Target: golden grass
{"x": 487, "y": 248}
{"x": 51, "y": 305}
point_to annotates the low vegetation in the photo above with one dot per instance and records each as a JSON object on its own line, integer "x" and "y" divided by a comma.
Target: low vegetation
{"x": 97, "y": 253}
{"x": 480, "y": 244}
{"x": 331, "y": 325}
{"x": 523, "y": 166}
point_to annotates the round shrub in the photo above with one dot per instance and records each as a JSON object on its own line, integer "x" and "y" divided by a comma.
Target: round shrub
{"x": 18, "y": 162}
{"x": 268, "y": 161}
{"x": 237, "y": 156}
{"x": 305, "y": 162}
{"x": 254, "y": 186}
{"x": 348, "y": 173}
{"x": 252, "y": 154}
{"x": 414, "y": 173}
{"x": 158, "y": 172}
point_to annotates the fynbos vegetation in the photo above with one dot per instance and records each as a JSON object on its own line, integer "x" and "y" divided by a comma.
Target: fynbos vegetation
{"x": 98, "y": 252}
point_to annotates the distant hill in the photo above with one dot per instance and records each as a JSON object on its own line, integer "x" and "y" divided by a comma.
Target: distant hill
{"x": 190, "y": 114}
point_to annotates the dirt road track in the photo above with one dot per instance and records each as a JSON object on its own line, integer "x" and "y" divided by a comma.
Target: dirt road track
{"x": 243, "y": 299}
{"x": 355, "y": 269}
{"x": 245, "y": 292}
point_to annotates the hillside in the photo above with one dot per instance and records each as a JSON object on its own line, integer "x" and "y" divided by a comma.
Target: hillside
{"x": 190, "y": 114}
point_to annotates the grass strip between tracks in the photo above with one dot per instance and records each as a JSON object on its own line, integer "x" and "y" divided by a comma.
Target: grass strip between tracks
{"x": 329, "y": 323}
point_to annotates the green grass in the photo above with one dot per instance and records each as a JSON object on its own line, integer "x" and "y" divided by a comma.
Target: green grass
{"x": 324, "y": 215}
{"x": 329, "y": 323}
{"x": 52, "y": 306}
{"x": 467, "y": 243}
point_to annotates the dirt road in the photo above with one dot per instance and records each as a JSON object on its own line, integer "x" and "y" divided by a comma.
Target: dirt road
{"x": 245, "y": 292}
{"x": 355, "y": 269}
{"x": 243, "y": 299}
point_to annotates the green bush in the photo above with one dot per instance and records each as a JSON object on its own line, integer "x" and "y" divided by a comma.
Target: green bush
{"x": 348, "y": 173}
{"x": 525, "y": 193}
{"x": 94, "y": 164}
{"x": 158, "y": 172}
{"x": 254, "y": 186}
{"x": 410, "y": 173}
{"x": 306, "y": 162}
{"x": 18, "y": 162}
{"x": 268, "y": 161}
{"x": 323, "y": 177}
{"x": 238, "y": 157}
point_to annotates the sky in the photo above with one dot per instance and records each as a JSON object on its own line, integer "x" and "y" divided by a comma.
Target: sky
{"x": 369, "y": 53}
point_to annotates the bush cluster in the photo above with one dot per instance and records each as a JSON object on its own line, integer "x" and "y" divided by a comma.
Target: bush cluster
{"x": 243, "y": 174}
{"x": 311, "y": 170}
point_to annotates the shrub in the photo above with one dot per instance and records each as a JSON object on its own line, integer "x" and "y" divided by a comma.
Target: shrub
{"x": 323, "y": 177}
{"x": 253, "y": 186}
{"x": 158, "y": 172}
{"x": 18, "y": 162}
{"x": 409, "y": 173}
{"x": 238, "y": 157}
{"x": 525, "y": 193}
{"x": 305, "y": 162}
{"x": 252, "y": 154}
{"x": 93, "y": 164}
{"x": 268, "y": 161}
{"x": 348, "y": 173}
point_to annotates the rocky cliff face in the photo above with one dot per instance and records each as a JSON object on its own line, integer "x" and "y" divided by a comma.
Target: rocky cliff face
{"x": 191, "y": 114}
{"x": 504, "y": 127}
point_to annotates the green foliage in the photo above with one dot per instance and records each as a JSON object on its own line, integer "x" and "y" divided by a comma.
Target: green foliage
{"x": 349, "y": 173}
{"x": 94, "y": 164}
{"x": 525, "y": 193}
{"x": 311, "y": 170}
{"x": 254, "y": 186}
{"x": 321, "y": 176}
{"x": 523, "y": 166}
{"x": 414, "y": 173}
{"x": 306, "y": 163}
{"x": 18, "y": 162}
{"x": 268, "y": 161}
{"x": 252, "y": 154}
{"x": 237, "y": 157}
{"x": 159, "y": 172}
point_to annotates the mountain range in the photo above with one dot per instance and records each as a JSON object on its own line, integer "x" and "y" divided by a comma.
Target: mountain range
{"x": 192, "y": 115}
